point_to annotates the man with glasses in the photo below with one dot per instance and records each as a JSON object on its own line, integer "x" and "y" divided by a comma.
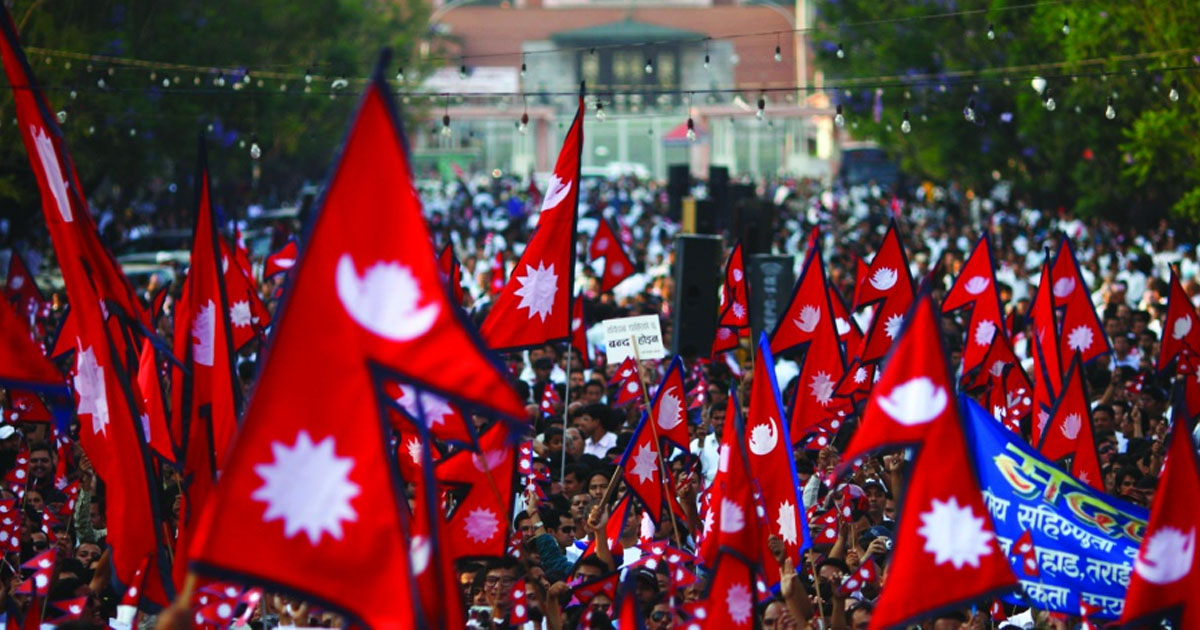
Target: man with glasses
{"x": 660, "y": 616}
{"x": 498, "y": 581}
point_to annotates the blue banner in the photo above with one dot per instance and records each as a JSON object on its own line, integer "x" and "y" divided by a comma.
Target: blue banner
{"x": 1086, "y": 540}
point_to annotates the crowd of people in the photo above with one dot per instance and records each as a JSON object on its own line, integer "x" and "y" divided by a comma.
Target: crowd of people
{"x": 560, "y": 524}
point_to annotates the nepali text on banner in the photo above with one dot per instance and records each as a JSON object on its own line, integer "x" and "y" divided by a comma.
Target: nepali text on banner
{"x": 1085, "y": 540}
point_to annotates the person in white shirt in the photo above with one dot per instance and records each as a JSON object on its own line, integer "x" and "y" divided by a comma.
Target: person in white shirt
{"x": 709, "y": 449}
{"x": 591, "y": 423}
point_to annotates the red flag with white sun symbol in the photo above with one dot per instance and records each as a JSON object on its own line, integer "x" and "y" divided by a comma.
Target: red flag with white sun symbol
{"x": 1082, "y": 333}
{"x": 535, "y": 306}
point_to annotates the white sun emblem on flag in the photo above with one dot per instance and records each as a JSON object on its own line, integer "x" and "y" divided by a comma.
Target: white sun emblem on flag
{"x": 204, "y": 328}
{"x": 984, "y": 332}
{"x": 787, "y": 522}
{"x": 821, "y": 387}
{"x": 481, "y": 525}
{"x": 891, "y": 327}
{"x": 538, "y": 287}
{"x": 739, "y": 310}
{"x": 414, "y": 450}
{"x": 1080, "y": 338}
{"x": 327, "y": 490}
{"x": 740, "y": 604}
{"x": 860, "y": 375}
{"x": 240, "y": 315}
{"x": 645, "y": 463}
{"x": 89, "y": 384}
{"x": 954, "y": 534}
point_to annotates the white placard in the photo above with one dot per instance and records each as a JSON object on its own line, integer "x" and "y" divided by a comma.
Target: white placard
{"x": 621, "y": 333}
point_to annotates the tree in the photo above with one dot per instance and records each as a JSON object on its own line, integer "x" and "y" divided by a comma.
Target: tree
{"x": 132, "y": 129}
{"x": 1066, "y": 153}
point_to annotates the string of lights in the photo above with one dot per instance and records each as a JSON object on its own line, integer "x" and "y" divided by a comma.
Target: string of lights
{"x": 235, "y": 74}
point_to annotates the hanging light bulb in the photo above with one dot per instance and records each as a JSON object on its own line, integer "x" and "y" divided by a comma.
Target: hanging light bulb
{"x": 255, "y": 150}
{"x": 523, "y": 67}
{"x": 600, "y": 115}
{"x": 523, "y": 126}
{"x": 220, "y": 80}
{"x": 446, "y": 125}
{"x": 706, "y": 61}
{"x": 196, "y": 80}
{"x": 132, "y": 133}
{"x": 75, "y": 94}
{"x": 1039, "y": 84}
{"x": 1048, "y": 101}
{"x": 1110, "y": 112}
{"x": 1066, "y": 29}
{"x": 838, "y": 118}
{"x": 339, "y": 83}
{"x": 91, "y": 129}
{"x": 691, "y": 130}
{"x": 1173, "y": 95}
{"x": 969, "y": 111}
{"x": 61, "y": 116}
{"x": 991, "y": 32}
{"x": 778, "y": 54}
{"x": 905, "y": 125}
{"x": 246, "y": 78}
{"x": 649, "y": 66}
{"x": 166, "y": 82}
{"x": 400, "y": 74}
{"x": 308, "y": 75}
{"x": 841, "y": 52}
{"x": 100, "y": 83}
{"x": 762, "y": 108}
{"x": 462, "y": 71}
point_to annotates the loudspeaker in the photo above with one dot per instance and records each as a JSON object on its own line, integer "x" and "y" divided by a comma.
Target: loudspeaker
{"x": 697, "y": 278}
{"x": 718, "y": 191}
{"x": 678, "y": 183}
{"x": 755, "y": 224}
{"x": 706, "y": 217}
{"x": 771, "y": 279}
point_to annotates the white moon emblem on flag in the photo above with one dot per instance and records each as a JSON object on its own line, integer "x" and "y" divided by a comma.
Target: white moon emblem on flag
{"x": 914, "y": 402}
{"x": 385, "y": 300}
{"x": 1166, "y": 556}
{"x": 763, "y": 438}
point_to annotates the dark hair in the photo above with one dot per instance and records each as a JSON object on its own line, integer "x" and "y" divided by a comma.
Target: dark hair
{"x": 590, "y": 561}
{"x": 41, "y": 446}
{"x": 503, "y": 563}
{"x": 837, "y": 563}
{"x": 580, "y": 472}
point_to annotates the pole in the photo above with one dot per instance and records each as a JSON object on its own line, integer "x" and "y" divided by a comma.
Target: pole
{"x": 562, "y": 469}
{"x": 662, "y": 469}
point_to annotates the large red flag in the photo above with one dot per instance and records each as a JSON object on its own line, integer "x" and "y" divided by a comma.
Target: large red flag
{"x": 20, "y": 287}
{"x": 914, "y": 390}
{"x": 946, "y": 552}
{"x": 1166, "y": 572}
{"x": 732, "y": 596}
{"x": 1070, "y": 435}
{"x": 809, "y": 315}
{"x": 534, "y": 307}
{"x": 94, "y": 284}
{"x": 730, "y": 520}
{"x": 771, "y": 463}
{"x": 365, "y": 300}
{"x": 205, "y": 396}
{"x": 1047, "y": 362}
{"x": 976, "y": 286}
{"x": 1181, "y": 329}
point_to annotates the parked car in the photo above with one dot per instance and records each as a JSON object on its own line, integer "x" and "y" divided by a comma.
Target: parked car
{"x": 159, "y": 248}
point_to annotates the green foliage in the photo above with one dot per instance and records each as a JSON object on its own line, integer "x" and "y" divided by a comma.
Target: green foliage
{"x": 1136, "y": 167}
{"x": 298, "y": 133}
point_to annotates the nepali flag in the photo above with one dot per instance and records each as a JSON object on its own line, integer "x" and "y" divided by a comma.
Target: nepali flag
{"x": 206, "y": 392}
{"x": 1181, "y": 329}
{"x": 669, "y": 408}
{"x": 1166, "y": 572}
{"x": 1047, "y": 362}
{"x": 888, "y": 284}
{"x": 95, "y": 288}
{"x": 735, "y": 296}
{"x": 617, "y": 264}
{"x": 22, "y": 363}
{"x": 850, "y": 335}
{"x": 725, "y": 340}
{"x": 771, "y": 463}
{"x": 1024, "y": 548}
{"x": 281, "y": 261}
{"x": 550, "y": 400}
{"x": 732, "y": 596}
{"x": 365, "y": 302}
{"x": 478, "y": 526}
{"x": 730, "y": 520}
{"x": 976, "y": 287}
{"x": 1069, "y": 435}
{"x": 628, "y": 382}
{"x": 21, "y": 289}
{"x": 452, "y": 272}
{"x": 156, "y": 432}
{"x": 535, "y": 306}
{"x": 248, "y": 316}
{"x": 641, "y": 469}
{"x": 579, "y": 327}
{"x": 1081, "y": 330}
